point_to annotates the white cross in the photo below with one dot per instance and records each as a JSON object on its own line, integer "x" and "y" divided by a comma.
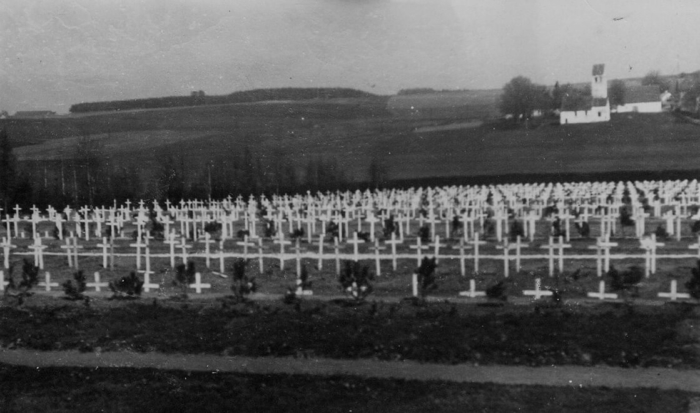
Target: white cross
{"x": 436, "y": 244}
{"x": 69, "y": 254}
{"x": 320, "y": 251}
{"x": 297, "y": 253}
{"x": 198, "y": 285}
{"x": 461, "y": 247}
{"x": 147, "y": 285}
{"x": 674, "y": 294}
{"x": 172, "y": 241}
{"x": 6, "y": 247}
{"x": 3, "y": 283}
{"x": 603, "y": 244}
{"x": 104, "y": 246}
{"x": 47, "y": 284}
{"x": 560, "y": 246}
{"x": 207, "y": 241}
{"x": 260, "y": 255}
{"x": 355, "y": 246}
{"x": 696, "y": 246}
{"x": 372, "y": 221}
{"x": 138, "y": 247}
{"x": 506, "y": 247}
{"x": 601, "y": 294}
{"x": 245, "y": 244}
{"x": 472, "y": 293}
{"x": 97, "y": 284}
{"x": 377, "y": 256}
{"x": 282, "y": 242}
{"x": 538, "y": 292}
{"x": 476, "y": 242}
{"x": 38, "y": 252}
{"x": 649, "y": 245}
{"x": 393, "y": 242}
{"x": 184, "y": 247}
{"x": 419, "y": 249}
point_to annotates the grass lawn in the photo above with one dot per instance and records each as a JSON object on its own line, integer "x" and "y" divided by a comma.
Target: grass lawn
{"x": 640, "y": 143}
{"x": 124, "y": 390}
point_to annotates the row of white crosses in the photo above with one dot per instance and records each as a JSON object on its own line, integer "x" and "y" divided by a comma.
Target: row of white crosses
{"x": 437, "y": 213}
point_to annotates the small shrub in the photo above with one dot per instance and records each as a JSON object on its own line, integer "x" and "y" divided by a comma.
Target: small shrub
{"x": 364, "y": 236}
{"x": 75, "y": 292}
{"x": 22, "y": 290}
{"x": 426, "y": 276}
{"x": 241, "y": 285}
{"x": 333, "y": 230}
{"x": 693, "y": 285}
{"x": 424, "y": 234}
{"x": 456, "y": 226}
{"x": 212, "y": 228}
{"x": 390, "y": 227}
{"x": 156, "y": 228}
{"x": 497, "y": 292}
{"x": 355, "y": 280}
{"x": 270, "y": 230}
{"x": 516, "y": 229}
{"x": 626, "y": 217}
{"x": 695, "y": 227}
{"x": 661, "y": 232}
{"x": 626, "y": 282}
{"x": 184, "y": 276}
{"x": 126, "y": 287}
{"x": 297, "y": 234}
{"x": 584, "y": 230}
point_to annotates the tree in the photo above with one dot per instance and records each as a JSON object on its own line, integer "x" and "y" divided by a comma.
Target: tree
{"x": 521, "y": 97}
{"x": 616, "y": 92}
{"x": 8, "y": 171}
{"x": 378, "y": 174}
{"x": 654, "y": 78}
{"x": 88, "y": 160}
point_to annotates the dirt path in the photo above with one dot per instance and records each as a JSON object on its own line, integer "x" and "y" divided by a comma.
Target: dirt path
{"x": 688, "y": 380}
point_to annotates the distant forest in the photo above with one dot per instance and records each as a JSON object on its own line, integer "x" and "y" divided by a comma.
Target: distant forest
{"x": 200, "y": 98}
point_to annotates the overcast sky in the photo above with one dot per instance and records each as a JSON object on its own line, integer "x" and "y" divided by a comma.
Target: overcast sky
{"x": 54, "y": 53}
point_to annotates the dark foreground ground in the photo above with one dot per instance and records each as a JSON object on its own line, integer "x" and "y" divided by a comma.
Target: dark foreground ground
{"x": 615, "y": 335}
{"x": 26, "y": 389}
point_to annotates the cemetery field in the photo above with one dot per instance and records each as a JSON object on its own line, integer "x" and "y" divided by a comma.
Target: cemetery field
{"x": 446, "y": 333}
{"x": 111, "y": 390}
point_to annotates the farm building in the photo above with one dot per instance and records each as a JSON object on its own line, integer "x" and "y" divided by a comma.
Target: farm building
{"x": 595, "y": 108}
{"x": 643, "y": 99}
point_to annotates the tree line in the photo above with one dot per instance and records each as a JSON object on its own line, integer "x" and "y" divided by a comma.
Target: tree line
{"x": 88, "y": 176}
{"x": 197, "y": 98}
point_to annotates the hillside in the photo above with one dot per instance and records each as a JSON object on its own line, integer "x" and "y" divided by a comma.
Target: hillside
{"x": 199, "y": 98}
{"x": 633, "y": 142}
{"x": 240, "y": 117}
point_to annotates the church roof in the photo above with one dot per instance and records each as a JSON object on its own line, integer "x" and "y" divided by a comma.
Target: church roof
{"x": 598, "y": 70}
{"x": 581, "y": 103}
{"x": 641, "y": 94}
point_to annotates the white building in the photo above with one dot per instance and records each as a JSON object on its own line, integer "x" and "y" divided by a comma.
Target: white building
{"x": 643, "y": 99}
{"x": 595, "y": 108}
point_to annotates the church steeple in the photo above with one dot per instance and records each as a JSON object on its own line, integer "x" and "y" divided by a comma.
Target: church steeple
{"x": 599, "y": 85}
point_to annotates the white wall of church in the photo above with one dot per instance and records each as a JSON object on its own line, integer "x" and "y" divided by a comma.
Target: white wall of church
{"x": 642, "y": 107}
{"x": 595, "y": 114}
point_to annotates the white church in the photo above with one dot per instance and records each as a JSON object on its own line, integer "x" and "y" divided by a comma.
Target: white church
{"x": 594, "y": 109}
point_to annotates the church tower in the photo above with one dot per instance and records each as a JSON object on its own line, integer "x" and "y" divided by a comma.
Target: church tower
{"x": 599, "y": 86}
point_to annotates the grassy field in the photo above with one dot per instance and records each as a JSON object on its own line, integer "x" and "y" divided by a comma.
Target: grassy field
{"x": 631, "y": 142}
{"x": 110, "y": 390}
